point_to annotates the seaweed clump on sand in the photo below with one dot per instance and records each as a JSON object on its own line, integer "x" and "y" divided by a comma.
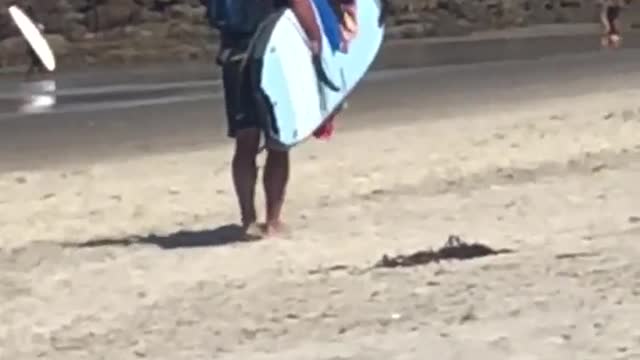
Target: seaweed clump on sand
{"x": 453, "y": 249}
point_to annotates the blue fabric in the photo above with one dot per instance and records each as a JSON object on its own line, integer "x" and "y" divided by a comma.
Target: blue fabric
{"x": 236, "y": 16}
{"x": 213, "y": 12}
{"x": 330, "y": 24}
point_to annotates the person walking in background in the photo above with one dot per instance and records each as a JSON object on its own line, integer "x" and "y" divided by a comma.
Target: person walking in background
{"x": 610, "y": 19}
{"x": 35, "y": 63}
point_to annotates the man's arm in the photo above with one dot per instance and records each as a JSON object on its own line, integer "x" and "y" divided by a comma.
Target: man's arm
{"x": 304, "y": 12}
{"x": 307, "y": 18}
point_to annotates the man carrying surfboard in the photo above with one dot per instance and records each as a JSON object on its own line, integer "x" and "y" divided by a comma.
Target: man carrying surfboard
{"x": 237, "y": 21}
{"x": 35, "y": 63}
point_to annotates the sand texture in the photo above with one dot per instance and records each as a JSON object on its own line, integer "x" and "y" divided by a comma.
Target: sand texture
{"x": 556, "y": 183}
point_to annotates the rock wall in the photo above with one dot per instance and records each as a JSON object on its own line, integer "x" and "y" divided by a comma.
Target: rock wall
{"x": 126, "y": 31}
{"x": 421, "y": 18}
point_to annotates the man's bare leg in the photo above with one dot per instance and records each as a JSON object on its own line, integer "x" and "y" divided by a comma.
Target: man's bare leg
{"x": 245, "y": 173}
{"x": 616, "y": 38}
{"x": 275, "y": 178}
{"x": 606, "y": 28}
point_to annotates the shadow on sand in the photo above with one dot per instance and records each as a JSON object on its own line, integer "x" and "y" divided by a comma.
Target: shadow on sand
{"x": 223, "y": 235}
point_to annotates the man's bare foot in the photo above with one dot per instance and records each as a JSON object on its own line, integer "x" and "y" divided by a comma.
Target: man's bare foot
{"x": 615, "y": 41}
{"x": 252, "y": 231}
{"x": 274, "y": 228}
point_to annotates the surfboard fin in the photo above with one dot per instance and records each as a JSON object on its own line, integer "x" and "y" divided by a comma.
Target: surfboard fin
{"x": 322, "y": 75}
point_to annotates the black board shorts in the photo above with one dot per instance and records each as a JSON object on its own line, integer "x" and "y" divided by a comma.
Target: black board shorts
{"x": 245, "y": 103}
{"x": 239, "y": 97}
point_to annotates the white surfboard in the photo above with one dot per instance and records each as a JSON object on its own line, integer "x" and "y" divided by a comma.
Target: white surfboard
{"x": 34, "y": 37}
{"x": 286, "y": 81}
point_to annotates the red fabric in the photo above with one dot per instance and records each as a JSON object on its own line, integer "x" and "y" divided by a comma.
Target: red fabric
{"x": 325, "y": 131}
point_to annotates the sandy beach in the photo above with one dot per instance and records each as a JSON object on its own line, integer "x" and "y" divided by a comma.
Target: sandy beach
{"x": 555, "y": 181}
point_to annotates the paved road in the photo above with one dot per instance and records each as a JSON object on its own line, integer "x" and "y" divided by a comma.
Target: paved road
{"x": 115, "y": 114}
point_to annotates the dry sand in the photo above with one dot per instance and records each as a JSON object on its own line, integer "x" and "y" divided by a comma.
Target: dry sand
{"x": 557, "y": 182}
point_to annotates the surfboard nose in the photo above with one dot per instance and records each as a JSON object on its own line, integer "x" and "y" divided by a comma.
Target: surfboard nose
{"x": 33, "y": 36}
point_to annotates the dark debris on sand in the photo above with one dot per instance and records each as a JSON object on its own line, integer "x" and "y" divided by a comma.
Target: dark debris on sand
{"x": 453, "y": 249}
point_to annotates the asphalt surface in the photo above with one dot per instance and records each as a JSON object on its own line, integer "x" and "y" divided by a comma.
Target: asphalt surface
{"x": 111, "y": 114}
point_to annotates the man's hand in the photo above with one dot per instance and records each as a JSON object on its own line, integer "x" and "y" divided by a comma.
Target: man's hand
{"x": 314, "y": 46}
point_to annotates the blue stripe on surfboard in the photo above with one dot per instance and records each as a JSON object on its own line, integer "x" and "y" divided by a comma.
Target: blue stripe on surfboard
{"x": 329, "y": 23}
